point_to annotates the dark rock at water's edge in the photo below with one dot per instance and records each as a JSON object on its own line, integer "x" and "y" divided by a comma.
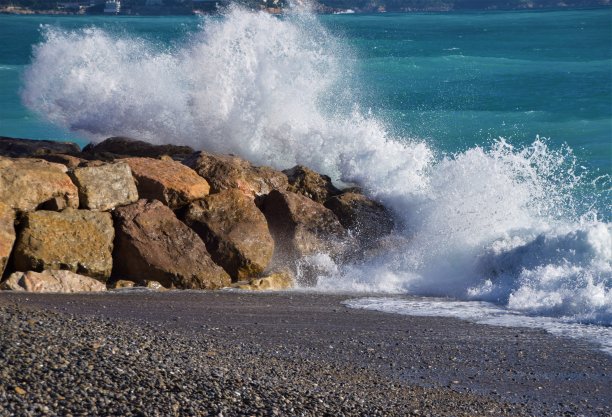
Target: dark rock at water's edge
{"x": 302, "y": 229}
{"x": 18, "y": 148}
{"x": 121, "y": 146}
{"x": 367, "y": 219}
{"x": 128, "y": 213}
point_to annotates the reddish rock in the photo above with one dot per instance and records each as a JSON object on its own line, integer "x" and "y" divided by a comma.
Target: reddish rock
{"x": 25, "y": 184}
{"x": 170, "y": 182}
{"x": 224, "y": 172}
{"x": 235, "y": 232}
{"x": 152, "y": 244}
{"x": 313, "y": 185}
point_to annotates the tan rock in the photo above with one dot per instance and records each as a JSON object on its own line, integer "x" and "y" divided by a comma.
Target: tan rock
{"x": 235, "y": 232}
{"x": 7, "y": 234}
{"x": 120, "y": 284}
{"x": 25, "y": 184}
{"x": 152, "y": 244}
{"x": 366, "y": 218}
{"x": 170, "y": 182}
{"x": 51, "y": 281}
{"x": 313, "y": 185}
{"x": 106, "y": 186}
{"x": 273, "y": 282}
{"x": 152, "y": 285}
{"x": 224, "y": 172}
{"x": 80, "y": 241}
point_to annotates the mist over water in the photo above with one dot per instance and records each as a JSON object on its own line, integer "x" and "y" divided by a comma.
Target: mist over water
{"x": 519, "y": 226}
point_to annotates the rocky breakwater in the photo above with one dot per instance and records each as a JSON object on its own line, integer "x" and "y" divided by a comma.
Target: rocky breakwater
{"x": 125, "y": 213}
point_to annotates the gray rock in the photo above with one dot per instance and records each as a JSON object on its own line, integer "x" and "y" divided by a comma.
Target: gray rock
{"x": 106, "y": 186}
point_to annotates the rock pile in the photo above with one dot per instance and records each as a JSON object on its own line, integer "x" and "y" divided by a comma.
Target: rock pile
{"x": 126, "y": 213}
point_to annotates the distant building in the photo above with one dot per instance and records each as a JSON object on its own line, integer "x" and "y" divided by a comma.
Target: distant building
{"x": 112, "y": 7}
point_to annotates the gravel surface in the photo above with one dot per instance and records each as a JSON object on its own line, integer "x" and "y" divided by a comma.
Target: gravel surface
{"x": 234, "y": 353}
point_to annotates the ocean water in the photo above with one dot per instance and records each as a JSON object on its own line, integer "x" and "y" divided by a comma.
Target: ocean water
{"x": 489, "y": 135}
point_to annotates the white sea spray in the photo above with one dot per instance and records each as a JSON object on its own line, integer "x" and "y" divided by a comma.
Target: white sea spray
{"x": 493, "y": 223}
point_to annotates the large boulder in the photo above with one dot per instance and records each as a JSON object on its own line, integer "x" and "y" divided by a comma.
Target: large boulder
{"x": 224, "y": 172}
{"x": 51, "y": 281}
{"x": 80, "y": 241}
{"x": 168, "y": 181}
{"x": 106, "y": 186}
{"x": 27, "y": 184}
{"x": 235, "y": 232}
{"x": 302, "y": 227}
{"x": 19, "y": 148}
{"x": 120, "y": 146}
{"x": 7, "y": 235}
{"x": 152, "y": 244}
{"x": 367, "y": 219}
{"x": 305, "y": 181}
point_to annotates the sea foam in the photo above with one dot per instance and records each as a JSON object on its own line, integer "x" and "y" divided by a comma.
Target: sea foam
{"x": 512, "y": 226}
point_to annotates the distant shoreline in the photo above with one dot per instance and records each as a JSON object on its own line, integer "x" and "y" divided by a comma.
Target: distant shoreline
{"x": 22, "y": 11}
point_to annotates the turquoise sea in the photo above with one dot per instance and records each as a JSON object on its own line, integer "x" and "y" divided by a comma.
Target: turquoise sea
{"x": 456, "y": 79}
{"x": 489, "y": 135}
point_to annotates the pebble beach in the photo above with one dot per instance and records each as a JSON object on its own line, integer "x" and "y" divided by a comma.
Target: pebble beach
{"x": 138, "y": 352}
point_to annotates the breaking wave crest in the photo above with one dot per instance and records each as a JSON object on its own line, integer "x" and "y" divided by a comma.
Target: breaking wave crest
{"x": 496, "y": 223}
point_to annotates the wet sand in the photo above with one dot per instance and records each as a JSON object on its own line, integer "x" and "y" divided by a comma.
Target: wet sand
{"x": 238, "y": 353}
